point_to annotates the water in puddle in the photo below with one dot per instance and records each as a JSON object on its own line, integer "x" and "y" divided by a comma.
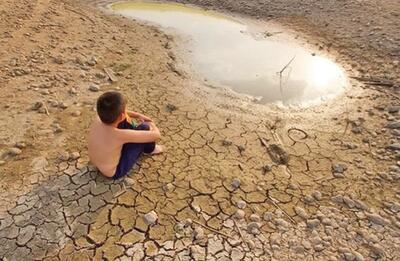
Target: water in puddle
{"x": 224, "y": 52}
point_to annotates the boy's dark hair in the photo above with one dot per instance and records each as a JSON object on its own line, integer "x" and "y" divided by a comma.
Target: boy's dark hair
{"x": 109, "y": 106}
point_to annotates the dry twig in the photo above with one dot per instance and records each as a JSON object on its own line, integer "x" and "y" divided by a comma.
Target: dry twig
{"x": 240, "y": 233}
{"x": 211, "y": 229}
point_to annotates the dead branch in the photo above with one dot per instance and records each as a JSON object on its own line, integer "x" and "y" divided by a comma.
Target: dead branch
{"x": 283, "y": 211}
{"x": 211, "y": 229}
{"x": 241, "y": 234}
{"x": 286, "y": 66}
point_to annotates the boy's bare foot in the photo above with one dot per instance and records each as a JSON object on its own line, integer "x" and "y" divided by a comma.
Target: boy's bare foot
{"x": 157, "y": 150}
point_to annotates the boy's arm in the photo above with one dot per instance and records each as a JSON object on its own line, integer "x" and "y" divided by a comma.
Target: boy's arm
{"x": 139, "y": 136}
{"x": 138, "y": 115}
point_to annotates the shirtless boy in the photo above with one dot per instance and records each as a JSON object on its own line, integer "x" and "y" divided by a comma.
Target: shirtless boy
{"x": 115, "y": 140}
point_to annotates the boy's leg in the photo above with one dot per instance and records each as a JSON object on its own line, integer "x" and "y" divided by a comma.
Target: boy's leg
{"x": 147, "y": 147}
{"x": 130, "y": 152}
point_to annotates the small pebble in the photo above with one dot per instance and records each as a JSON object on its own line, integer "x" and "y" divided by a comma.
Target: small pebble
{"x": 14, "y": 151}
{"x": 94, "y": 87}
{"x": 255, "y": 218}
{"x": 236, "y": 183}
{"x": 241, "y": 204}
{"x": 64, "y": 156}
{"x": 198, "y": 233}
{"x": 239, "y": 214}
{"x": 75, "y": 155}
{"x": 150, "y": 218}
{"x": 76, "y": 113}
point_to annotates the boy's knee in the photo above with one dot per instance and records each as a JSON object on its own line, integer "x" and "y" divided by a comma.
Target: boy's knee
{"x": 143, "y": 126}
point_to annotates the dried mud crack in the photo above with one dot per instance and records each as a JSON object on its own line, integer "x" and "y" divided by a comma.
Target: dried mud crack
{"x": 239, "y": 181}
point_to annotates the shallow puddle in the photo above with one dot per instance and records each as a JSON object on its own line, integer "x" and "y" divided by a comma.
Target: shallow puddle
{"x": 228, "y": 53}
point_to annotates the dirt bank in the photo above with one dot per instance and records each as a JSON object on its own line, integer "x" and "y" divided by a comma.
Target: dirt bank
{"x": 239, "y": 180}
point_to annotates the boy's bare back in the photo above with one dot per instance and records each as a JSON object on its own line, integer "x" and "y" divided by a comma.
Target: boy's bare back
{"x": 106, "y": 139}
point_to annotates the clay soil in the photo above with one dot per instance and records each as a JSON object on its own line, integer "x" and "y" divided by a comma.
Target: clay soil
{"x": 238, "y": 181}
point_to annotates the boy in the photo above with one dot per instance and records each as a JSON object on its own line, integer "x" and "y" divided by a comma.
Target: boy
{"x": 115, "y": 141}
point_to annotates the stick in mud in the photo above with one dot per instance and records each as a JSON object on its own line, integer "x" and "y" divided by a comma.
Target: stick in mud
{"x": 211, "y": 229}
{"x": 277, "y": 206}
{"x": 241, "y": 234}
{"x": 281, "y": 72}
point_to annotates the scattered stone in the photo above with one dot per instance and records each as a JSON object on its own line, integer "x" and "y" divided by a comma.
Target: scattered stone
{"x": 337, "y": 199}
{"x": 253, "y": 228}
{"x": 357, "y": 129}
{"x": 2, "y": 162}
{"x": 338, "y": 175}
{"x": 236, "y": 183}
{"x": 94, "y": 87}
{"x": 64, "y": 156}
{"x": 198, "y": 233}
{"x": 360, "y": 205}
{"x": 196, "y": 208}
{"x": 251, "y": 244}
{"x": 92, "y": 61}
{"x": 268, "y": 216}
{"x": 317, "y": 195}
{"x": 100, "y": 75}
{"x": 313, "y": 223}
{"x": 309, "y": 199}
{"x": 358, "y": 256}
{"x": 348, "y": 201}
{"x": 75, "y": 155}
{"x": 393, "y": 146}
{"x": 150, "y": 218}
{"x": 241, "y": 204}
{"x": 393, "y": 109}
{"x": 255, "y": 218}
{"x": 171, "y": 107}
{"x": 14, "y": 151}
{"x": 58, "y": 60}
{"x": 377, "y": 250}
{"x": 319, "y": 247}
{"x": 281, "y": 222}
{"x": 339, "y": 168}
{"x": 73, "y": 91}
{"x": 20, "y": 145}
{"x": 267, "y": 168}
{"x": 301, "y": 212}
{"x": 239, "y": 214}
{"x": 188, "y": 222}
{"x": 37, "y": 105}
{"x": 62, "y": 105}
{"x": 76, "y": 113}
{"x": 393, "y": 125}
{"x": 168, "y": 187}
{"x": 349, "y": 256}
{"x": 377, "y": 219}
{"x": 226, "y": 143}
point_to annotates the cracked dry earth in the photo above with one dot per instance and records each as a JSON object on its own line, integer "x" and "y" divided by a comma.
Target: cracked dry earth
{"x": 239, "y": 181}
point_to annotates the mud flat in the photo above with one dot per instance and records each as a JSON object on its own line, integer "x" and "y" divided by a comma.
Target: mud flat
{"x": 240, "y": 180}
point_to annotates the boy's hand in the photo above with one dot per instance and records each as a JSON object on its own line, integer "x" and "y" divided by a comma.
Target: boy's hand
{"x": 145, "y": 118}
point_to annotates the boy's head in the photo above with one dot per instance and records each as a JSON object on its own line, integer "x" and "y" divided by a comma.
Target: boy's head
{"x": 111, "y": 107}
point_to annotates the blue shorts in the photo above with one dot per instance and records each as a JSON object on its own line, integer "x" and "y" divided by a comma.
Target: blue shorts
{"x": 131, "y": 152}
